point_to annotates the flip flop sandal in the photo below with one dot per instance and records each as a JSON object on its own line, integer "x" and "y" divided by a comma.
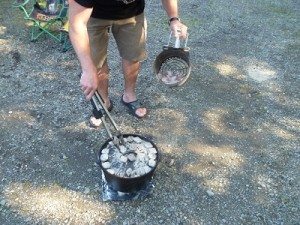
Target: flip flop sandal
{"x": 94, "y": 122}
{"x": 132, "y": 107}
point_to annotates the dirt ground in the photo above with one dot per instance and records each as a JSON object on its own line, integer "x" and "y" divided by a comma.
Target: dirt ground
{"x": 229, "y": 137}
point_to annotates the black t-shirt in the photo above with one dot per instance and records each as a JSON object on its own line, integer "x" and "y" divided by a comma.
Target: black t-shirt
{"x": 114, "y": 9}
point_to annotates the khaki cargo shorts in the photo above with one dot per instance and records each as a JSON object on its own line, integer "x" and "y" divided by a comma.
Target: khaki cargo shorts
{"x": 129, "y": 34}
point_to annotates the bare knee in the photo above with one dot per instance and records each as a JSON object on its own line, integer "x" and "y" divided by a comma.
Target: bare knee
{"x": 130, "y": 67}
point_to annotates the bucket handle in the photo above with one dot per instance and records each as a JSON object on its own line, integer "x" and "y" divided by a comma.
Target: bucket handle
{"x": 177, "y": 41}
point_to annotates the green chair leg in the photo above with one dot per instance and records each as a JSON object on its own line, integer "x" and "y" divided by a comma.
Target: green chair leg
{"x": 45, "y": 22}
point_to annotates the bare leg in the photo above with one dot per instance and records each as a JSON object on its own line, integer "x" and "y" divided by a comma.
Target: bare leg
{"x": 131, "y": 70}
{"x": 103, "y": 83}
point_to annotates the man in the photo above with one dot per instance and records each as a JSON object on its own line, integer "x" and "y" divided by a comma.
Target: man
{"x": 90, "y": 22}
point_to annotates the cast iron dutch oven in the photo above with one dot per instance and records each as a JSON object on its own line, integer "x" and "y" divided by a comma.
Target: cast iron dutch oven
{"x": 122, "y": 184}
{"x": 128, "y": 184}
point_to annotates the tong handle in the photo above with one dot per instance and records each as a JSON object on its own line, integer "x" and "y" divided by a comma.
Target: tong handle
{"x": 118, "y": 138}
{"x": 99, "y": 111}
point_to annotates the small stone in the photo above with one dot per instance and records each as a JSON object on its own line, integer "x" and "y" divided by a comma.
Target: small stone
{"x": 210, "y": 193}
{"x": 28, "y": 219}
{"x": 86, "y": 191}
{"x": 63, "y": 156}
{"x": 171, "y": 162}
{"x": 97, "y": 189}
{"x": 3, "y": 202}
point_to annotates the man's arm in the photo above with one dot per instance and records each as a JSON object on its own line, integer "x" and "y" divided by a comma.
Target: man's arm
{"x": 78, "y": 18}
{"x": 178, "y": 28}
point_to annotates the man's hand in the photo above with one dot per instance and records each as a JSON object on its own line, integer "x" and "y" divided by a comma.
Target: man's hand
{"x": 89, "y": 84}
{"x": 178, "y": 29}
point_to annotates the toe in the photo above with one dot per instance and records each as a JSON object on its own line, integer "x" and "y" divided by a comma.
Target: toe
{"x": 141, "y": 112}
{"x": 95, "y": 122}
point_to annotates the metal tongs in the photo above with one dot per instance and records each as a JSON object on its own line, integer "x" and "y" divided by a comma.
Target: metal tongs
{"x": 100, "y": 112}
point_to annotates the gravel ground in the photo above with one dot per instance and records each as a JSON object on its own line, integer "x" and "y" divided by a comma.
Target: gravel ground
{"x": 229, "y": 137}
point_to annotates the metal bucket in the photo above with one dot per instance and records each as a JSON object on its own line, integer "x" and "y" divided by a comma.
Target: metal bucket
{"x": 172, "y": 66}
